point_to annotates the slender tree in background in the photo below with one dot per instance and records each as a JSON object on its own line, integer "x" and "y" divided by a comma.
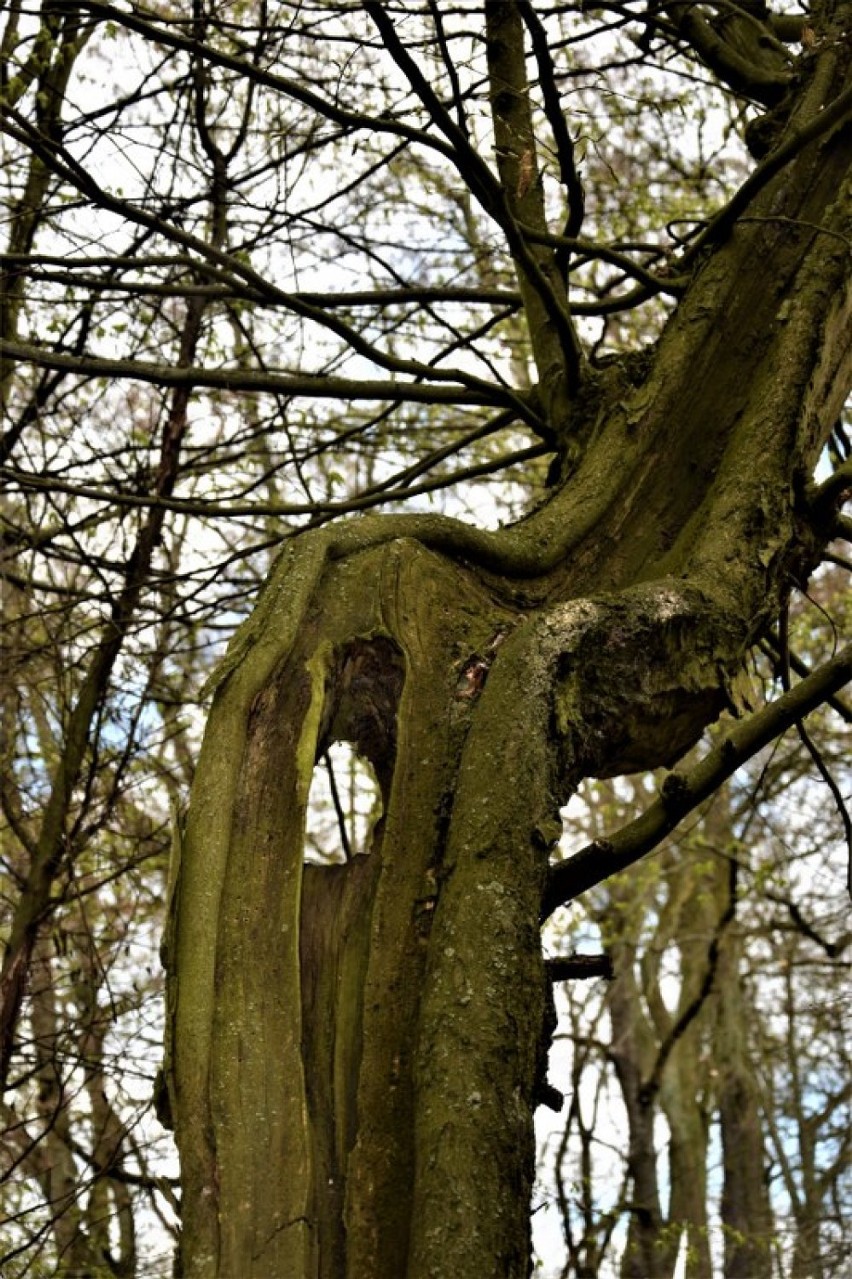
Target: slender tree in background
{"x": 269, "y": 269}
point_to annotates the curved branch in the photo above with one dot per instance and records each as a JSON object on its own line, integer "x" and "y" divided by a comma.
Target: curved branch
{"x": 750, "y": 75}
{"x": 842, "y": 527}
{"x": 834, "y": 489}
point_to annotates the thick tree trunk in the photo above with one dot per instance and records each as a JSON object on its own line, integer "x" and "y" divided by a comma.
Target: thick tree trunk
{"x": 355, "y": 1049}
{"x": 350, "y": 1030}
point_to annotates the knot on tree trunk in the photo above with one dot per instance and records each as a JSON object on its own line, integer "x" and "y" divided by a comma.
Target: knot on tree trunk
{"x": 638, "y": 676}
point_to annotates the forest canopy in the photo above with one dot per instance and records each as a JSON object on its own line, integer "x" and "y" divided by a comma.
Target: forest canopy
{"x": 476, "y": 376}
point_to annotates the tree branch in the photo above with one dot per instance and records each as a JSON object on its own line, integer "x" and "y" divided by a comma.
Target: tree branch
{"x": 823, "y": 123}
{"x": 750, "y": 74}
{"x": 165, "y": 35}
{"x": 683, "y": 792}
{"x": 495, "y": 198}
{"x": 60, "y": 162}
{"x": 568, "y": 172}
{"x": 556, "y": 347}
{"x": 314, "y": 385}
{"x": 400, "y": 489}
{"x": 579, "y": 967}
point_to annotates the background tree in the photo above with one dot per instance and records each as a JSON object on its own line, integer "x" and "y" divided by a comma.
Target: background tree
{"x": 697, "y": 939}
{"x": 212, "y": 341}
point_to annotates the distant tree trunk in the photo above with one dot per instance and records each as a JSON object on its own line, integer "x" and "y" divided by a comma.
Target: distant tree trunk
{"x": 633, "y": 1051}
{"x": 683, "y": 1085}
{"x": 355, "y": 1050}
{"x": 746, "y": 1213}
{"x": 659, "y": 1059}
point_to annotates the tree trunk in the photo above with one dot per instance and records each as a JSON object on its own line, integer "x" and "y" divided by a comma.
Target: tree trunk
{"x": 633, "y": 1051}
{"x": 340, "y": 993}
{"x": 746, "y": 1212}
{"x": 355, "y": 1049}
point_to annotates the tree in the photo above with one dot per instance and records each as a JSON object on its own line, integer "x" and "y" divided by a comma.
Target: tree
{"x": 355, "y": 1050}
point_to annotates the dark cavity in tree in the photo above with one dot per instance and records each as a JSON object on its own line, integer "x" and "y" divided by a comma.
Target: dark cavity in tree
{"x": 356, "y": 749}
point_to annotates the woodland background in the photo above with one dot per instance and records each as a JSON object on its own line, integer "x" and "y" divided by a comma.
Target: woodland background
{"x": 141, "y": 509}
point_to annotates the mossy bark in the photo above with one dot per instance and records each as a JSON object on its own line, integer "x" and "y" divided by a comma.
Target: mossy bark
{"x": 354, "y": 1051}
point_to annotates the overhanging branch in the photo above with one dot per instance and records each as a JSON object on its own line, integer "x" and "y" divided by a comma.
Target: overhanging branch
{"x": 314, "y": 385}
{"x": 682, "y": 792}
